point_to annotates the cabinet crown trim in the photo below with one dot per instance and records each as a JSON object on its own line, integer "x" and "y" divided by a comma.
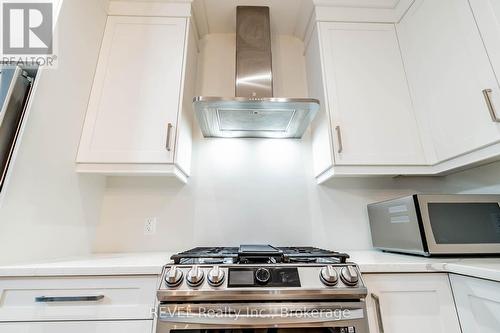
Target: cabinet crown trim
{"x": 178, "y": 8}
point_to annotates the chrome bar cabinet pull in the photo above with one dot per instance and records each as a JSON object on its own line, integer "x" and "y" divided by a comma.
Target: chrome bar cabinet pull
{"x": 169, "y": 130}
{"x": 376, "y": 300}
{"x": 489, "y": 103}
{"x": 339, "y": 139}
{"x": 51, "y": 299}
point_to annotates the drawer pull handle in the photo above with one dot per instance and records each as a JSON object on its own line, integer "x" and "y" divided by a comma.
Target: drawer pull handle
{"x": 376, "y": 300}
{"x": 169, "y": 130}
{"x": 339, "y": 139}
{"x": 50, "y": 299}
{"x": 489, "y": 104}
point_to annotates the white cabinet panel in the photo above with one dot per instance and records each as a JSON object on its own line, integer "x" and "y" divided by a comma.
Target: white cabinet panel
{"x": 184, "y": 132}
{"x": 371, "y": 110}
{"x": 448, "y": 69}
{"x": 487, "y": 14}
{"x": 478, "y": 304}
{"x": 120, "y": 297}
{"x": 136, "y": 92}
{"x": 322, "y": 150}
{"x": 411, "y": 303}
{"x": 136, "y": 326}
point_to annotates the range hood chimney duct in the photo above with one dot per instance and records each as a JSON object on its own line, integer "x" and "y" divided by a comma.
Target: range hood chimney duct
{"x": 254, "y": 73}
{"x": 254, "y": 112}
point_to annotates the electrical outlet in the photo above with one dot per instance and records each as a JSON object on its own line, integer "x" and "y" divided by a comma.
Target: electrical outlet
{"x": 150, "y": 226}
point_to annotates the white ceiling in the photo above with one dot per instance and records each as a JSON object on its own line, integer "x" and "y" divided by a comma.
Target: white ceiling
{"x": 290, "y": 17}
{"x": 219, "y": 16}
{"x": 359, "y": 3}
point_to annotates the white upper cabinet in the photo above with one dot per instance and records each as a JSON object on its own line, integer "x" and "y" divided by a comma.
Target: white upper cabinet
{"x": 450, "y": 74}
{"x": 370, "y": 105}
{"x": 322, "y": 149}
{"x": 410, "y": 303}
{"x": 478, "y": 304}
{"x": 487, "y": 14}
{"x": 367, "y": 111}
{"x": 138, "y": 119}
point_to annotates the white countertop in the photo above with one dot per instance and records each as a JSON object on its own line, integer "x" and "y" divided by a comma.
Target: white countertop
{"x": 373, "y": 261}
{"x": 147, "y": 263}
{"x": 151, "y": 263}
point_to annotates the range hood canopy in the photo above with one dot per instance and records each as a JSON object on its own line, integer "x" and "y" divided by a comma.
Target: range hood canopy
{"x": 254, "y": 113}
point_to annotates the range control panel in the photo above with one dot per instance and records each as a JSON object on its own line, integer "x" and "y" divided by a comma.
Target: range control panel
{"x": 263, "y": 277}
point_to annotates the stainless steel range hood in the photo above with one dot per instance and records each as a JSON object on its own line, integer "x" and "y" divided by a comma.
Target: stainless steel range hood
{"x": 254, "y": 112}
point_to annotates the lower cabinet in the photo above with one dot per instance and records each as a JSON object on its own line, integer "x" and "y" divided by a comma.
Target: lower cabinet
{"x": 76, "y": 298}
{"x": 410, "y": 303}
{"x": 132, "y": 326}
{"x": 78, "y": 304}
{"x": 478, "y": 304}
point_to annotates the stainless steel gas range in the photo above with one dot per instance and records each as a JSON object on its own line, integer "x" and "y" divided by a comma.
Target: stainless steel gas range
{"x": 261, "y": 288}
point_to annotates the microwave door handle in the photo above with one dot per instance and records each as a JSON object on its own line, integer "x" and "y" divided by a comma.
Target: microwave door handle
{"x": 260, "y": 320}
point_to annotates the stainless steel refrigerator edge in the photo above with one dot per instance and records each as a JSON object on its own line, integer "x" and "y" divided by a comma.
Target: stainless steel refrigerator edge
{"x": 15, "y": 86}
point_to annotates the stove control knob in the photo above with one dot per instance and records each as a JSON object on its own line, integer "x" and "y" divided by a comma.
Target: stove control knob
{"x": 349, "y": 276}
{"x": 195, "y": 277}
{"x": 216, "y": 277}
{"x": 173, "y": 278}
{"x": 329, "y": 276}
{"x": 262, "y": 275}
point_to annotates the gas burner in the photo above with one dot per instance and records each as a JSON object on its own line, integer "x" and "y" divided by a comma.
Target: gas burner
{"x": 213, "y": 261}
{"x": 303, "y": 260}
{"x": 258, "y": 260}
{"x": 307, "y": 254}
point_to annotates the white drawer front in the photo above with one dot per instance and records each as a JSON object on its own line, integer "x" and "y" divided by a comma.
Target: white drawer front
{"x": 77, "y": 298}
{"x": 132, "y": 326}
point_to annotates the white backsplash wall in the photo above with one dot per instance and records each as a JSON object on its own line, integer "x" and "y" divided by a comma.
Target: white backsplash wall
{"x": 256, "y": 190}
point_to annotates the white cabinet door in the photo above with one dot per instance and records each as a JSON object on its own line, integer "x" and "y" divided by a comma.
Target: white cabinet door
{"x": 411, "y": 303}
{"x": 322, "y": 150}
{"x": 136, "y": 92}
{"x": 487, "y": 14}
{"x": 478, "y": 304}
{"x": 135, "y": 326}
{"x": 370, "y": 106}
{"x": 448, "y": 69}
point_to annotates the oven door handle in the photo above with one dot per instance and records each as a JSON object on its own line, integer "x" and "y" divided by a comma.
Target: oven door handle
{"x": 260, "y": 320}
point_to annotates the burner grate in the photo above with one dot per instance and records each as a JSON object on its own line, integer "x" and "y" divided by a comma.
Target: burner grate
{"x": 206, "y": 253}
{"x": 257, "y": 254}
{"x": 305, "y": 253}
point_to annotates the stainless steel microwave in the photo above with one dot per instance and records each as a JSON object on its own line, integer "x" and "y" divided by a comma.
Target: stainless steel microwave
{"x": 437, "y": 224}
